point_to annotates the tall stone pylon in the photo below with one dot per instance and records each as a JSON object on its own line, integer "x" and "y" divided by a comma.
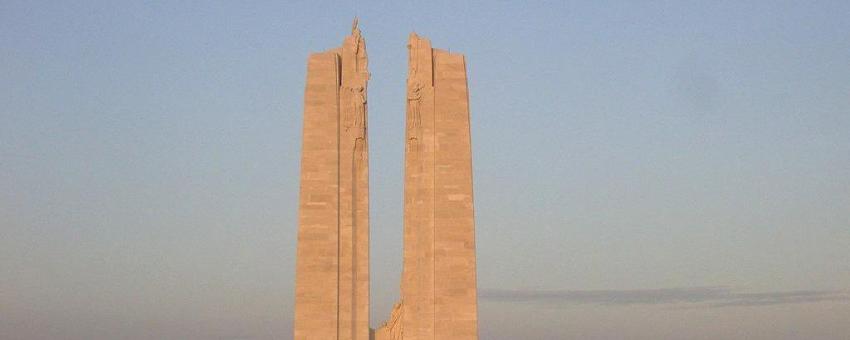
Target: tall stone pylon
{"x": 332, "y": 261}
{"x": 438, "y": 288}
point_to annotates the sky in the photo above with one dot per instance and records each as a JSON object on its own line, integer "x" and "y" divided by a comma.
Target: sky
{"x": 642, "y": 169}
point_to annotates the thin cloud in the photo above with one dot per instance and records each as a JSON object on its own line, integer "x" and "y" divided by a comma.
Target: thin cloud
{"x": 714, "y": 297}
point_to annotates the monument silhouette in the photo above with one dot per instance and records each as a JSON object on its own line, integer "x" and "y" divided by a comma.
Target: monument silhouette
{"x": 438, "y": 284}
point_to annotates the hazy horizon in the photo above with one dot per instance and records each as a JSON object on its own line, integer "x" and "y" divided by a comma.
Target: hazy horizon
{"x": 661, "y": 170}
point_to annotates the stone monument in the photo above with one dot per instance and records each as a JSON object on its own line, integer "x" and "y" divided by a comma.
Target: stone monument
{"x": 438, "y": 284}
{"x": 332, "y": 261}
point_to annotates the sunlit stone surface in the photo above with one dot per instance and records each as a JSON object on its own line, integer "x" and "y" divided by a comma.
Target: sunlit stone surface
{"x": 438, "y": 288}
{"x": 332, "y": 266}
{"x": 438, "y": 284}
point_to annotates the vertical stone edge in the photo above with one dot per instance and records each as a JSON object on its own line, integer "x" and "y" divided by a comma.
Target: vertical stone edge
{"x": 455, "y": 263}
{"x": 316, "y": 280}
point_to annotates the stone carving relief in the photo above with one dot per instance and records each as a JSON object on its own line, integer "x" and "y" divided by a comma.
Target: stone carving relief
{"x": 360, "y": 60}
{"x": 414, "y": 97}
{"x": 355, "y": 32}
{"x": 392, "y": 329}
{"x": 413, "y": 56}
{"x": 358, "y": 103}
{"x": 414, "y": 91}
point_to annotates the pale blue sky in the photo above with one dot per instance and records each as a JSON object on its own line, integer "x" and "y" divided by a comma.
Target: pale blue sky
{"x": 643, "y": 170}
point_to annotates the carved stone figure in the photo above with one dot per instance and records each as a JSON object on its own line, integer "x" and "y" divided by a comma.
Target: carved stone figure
{"x": 414, "y": 97}
{"x": 358, "y": 98}
{"x": 392, "y": 328}
{"x": 413, "y": 54}
{"x": 355, "y": 33}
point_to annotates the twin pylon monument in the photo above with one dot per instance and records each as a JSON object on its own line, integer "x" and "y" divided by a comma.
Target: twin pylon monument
{"x": 438, "y": 283}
